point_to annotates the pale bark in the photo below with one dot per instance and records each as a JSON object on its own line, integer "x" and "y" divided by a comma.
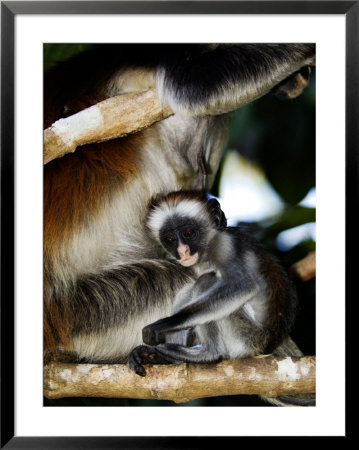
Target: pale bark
{"x": 268, "y": 376}
{"x": 305, "y": 269}
{"x": 109, "y": 119}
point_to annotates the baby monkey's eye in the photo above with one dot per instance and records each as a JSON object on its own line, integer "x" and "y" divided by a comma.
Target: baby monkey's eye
{"x": 169, "y": 239}
{"x": 189, "y": 233}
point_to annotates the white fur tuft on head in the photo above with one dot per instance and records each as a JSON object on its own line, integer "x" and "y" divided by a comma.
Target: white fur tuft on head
{"x": 167, "y": 208}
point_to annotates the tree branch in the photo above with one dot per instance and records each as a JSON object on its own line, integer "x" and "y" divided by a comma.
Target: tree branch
{"x": 109, "y": 119}
{"x": 305, "y": 269}
{"x": 267, "y": 375}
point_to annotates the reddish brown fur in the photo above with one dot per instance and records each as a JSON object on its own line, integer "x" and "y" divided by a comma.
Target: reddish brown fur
{"x": 57, "y": 327}
{"x": 76, "y": 186}
{"x": 76, "y": 189}
{"x": 281, "y": 311}
{"x": 174, "y": 198}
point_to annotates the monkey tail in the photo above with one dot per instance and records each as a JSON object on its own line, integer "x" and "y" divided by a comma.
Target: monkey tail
{"x": 289, "y": 348}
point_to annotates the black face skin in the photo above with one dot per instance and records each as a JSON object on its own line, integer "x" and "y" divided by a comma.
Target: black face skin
{"x": 182, "y": 230}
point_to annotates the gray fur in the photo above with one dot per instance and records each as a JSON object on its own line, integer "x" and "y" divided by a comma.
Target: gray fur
{"x": 232, "y": 296}
{"x": 231, "y": 310}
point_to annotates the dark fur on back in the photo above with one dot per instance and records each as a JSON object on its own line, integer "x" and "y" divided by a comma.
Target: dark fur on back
{"x": 193, "y": 73}
{"x": 283, "y": 298}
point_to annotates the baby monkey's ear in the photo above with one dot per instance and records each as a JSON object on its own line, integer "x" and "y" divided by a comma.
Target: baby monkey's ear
{"x": 216, "y": 214}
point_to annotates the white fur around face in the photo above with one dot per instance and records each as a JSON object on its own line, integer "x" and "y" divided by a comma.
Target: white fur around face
{"x": 187, "y": 208}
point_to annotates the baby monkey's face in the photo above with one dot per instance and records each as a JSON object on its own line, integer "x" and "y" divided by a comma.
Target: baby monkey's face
{"x": 183, "y": 238}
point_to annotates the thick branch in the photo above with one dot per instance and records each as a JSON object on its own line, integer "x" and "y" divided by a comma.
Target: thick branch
{"x": 269, "y": 376}
{"x": 112, "y": 118}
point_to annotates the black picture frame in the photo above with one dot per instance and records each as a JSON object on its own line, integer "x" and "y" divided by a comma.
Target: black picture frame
{"x": 9, "y": 9}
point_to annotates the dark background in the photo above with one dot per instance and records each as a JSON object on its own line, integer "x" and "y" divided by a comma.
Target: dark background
{"x": 279, "y": 137}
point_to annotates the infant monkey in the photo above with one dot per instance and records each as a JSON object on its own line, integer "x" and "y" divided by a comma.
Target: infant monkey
{"x": 240, "y": 303}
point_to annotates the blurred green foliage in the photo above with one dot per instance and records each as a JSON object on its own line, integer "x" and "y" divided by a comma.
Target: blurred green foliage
{"x": 279, "y": 136}
{"x": 55, "y": 53}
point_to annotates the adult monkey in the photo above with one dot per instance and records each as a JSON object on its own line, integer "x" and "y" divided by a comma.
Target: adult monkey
{"x": 102, "y": 281}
